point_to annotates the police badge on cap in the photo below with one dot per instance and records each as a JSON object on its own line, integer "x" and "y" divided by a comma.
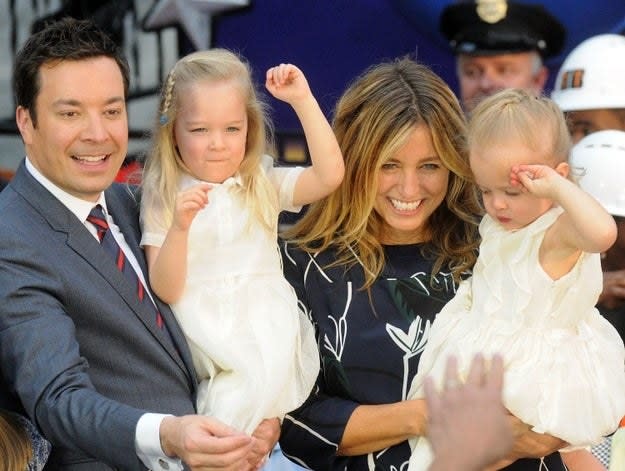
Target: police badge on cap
{"x": 487, "y": 27}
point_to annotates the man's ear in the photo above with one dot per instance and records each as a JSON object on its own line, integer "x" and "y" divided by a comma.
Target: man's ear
{"x": 24, "y": 124}
{"x": 540, "y": 79}
{"x": 563, "y": 168}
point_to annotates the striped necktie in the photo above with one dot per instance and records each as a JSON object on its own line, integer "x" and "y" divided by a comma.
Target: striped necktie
{"x": 97, "y": 218}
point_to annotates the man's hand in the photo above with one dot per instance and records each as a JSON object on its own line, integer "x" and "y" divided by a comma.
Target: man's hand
{"x": 468, "y": 427}
{"x": 265, "y": 438}
{"x": 204, "y": 443}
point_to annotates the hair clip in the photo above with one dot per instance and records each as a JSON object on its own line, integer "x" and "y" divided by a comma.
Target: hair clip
{"x": 163, "y": 119}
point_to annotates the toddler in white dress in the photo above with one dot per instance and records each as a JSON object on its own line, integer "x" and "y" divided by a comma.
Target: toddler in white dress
{"x": 532, "y": 293}
{"x": 210, "y": 208}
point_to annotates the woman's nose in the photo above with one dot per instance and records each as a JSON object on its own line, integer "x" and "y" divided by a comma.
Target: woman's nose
{"x": 410, "y": 183}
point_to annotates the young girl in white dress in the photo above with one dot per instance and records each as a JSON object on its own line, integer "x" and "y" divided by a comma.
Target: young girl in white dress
{"x": 532, "y": 293}
{"x": 210, "y": 208}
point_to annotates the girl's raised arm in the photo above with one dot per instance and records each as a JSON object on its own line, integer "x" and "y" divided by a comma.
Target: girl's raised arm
{"x": 585, "y": 225}
{"x": 287, "y": 83}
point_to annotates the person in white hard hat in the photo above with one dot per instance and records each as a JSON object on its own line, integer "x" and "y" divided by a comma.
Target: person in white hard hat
{"x": 600, "y": 159}
{"x": 590, "y": 86}
{"x": 590, "y": 89}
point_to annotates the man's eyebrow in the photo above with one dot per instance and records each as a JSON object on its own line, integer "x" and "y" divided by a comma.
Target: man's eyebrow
{"x": 74, "y": 102}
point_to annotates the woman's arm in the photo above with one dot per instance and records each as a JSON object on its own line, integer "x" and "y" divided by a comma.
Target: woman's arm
{"x": 374, "y": 427}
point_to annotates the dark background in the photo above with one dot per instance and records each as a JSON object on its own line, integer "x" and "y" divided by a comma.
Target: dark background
{"x": 334, "y": 40}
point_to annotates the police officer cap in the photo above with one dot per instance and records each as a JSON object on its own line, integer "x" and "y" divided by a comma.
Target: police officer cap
{"x": 484, "y": 27}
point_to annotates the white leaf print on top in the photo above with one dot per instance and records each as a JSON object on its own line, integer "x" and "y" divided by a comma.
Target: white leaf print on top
{"x": 412, "y": 343}
{"x": 340, "y": 328}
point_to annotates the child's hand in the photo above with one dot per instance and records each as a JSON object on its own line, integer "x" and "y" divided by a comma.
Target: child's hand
{"x": 287, "y": 83}
{"x": 539, "y": 180}
{"x": 188, "y": 203}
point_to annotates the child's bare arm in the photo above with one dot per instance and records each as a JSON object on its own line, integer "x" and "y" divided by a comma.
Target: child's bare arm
{"x": 581, "y": 460}
{"x": 585, "y": 224}
{"x": 287, "y": 83}
{"x": 168, "y": 264}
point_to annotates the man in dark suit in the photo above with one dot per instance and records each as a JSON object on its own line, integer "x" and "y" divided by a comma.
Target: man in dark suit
{"x": 104, "y": 372}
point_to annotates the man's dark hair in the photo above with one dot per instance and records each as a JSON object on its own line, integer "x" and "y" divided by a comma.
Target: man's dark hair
{"x": 68, "y": 39}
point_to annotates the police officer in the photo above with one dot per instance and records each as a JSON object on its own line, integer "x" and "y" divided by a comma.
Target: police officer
{"x": 500, "y": 44}
{"x": 590, "y": 86}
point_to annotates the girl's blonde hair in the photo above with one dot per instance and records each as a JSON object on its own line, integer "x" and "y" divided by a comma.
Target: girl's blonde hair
{"x": 537, "y": 122}
{"x": 15, "y": 447}
{"x": 372, "y": 121}
{"x": 164, "y": 166}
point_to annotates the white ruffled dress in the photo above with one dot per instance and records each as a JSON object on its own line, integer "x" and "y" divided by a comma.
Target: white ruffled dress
{"x": 564, "y": 363}
{"x": 254, "y": 351}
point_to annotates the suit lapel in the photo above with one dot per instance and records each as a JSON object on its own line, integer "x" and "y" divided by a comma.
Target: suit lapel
{"x": 127, "y": 221}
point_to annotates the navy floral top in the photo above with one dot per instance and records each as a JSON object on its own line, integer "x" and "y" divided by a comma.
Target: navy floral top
{"x": 41, "y": 447}
{"x": 370, "y": 344}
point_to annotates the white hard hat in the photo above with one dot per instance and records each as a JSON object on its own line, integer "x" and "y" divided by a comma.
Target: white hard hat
{"x": 600, "y": 159}
{"x": 593, "y": 75}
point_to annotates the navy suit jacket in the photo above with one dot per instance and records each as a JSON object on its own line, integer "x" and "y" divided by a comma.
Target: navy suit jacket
{"x": 79, "y": 354}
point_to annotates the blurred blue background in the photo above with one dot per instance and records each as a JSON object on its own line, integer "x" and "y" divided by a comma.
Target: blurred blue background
{"x": 331, "y": 40}
{"x": 334, "y": 40}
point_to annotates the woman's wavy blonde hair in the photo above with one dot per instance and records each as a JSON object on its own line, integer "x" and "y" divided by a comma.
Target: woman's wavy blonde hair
{"x": 372, "y": 121}
{"x": 15, "y": 447}
{"x": 163, "y": 166}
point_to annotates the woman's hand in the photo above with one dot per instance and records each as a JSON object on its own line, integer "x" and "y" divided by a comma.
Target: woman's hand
{"x": 265, "y": 437}
{"x": 528, "y": 444}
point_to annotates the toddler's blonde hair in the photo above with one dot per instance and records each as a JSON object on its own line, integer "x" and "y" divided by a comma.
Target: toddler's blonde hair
{"x": 163, "y": 166}
{"x": 537, "y": 122}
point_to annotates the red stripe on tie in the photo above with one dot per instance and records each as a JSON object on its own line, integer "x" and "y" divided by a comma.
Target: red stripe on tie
{"x": 101, "y": 226}
{"x": 140, "y": 290}
{"x": 97, "y": 218}
{"x": 120, "y": 260}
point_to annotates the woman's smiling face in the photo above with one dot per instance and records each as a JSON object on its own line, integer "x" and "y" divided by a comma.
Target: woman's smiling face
{"x": 411, "y": 185}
